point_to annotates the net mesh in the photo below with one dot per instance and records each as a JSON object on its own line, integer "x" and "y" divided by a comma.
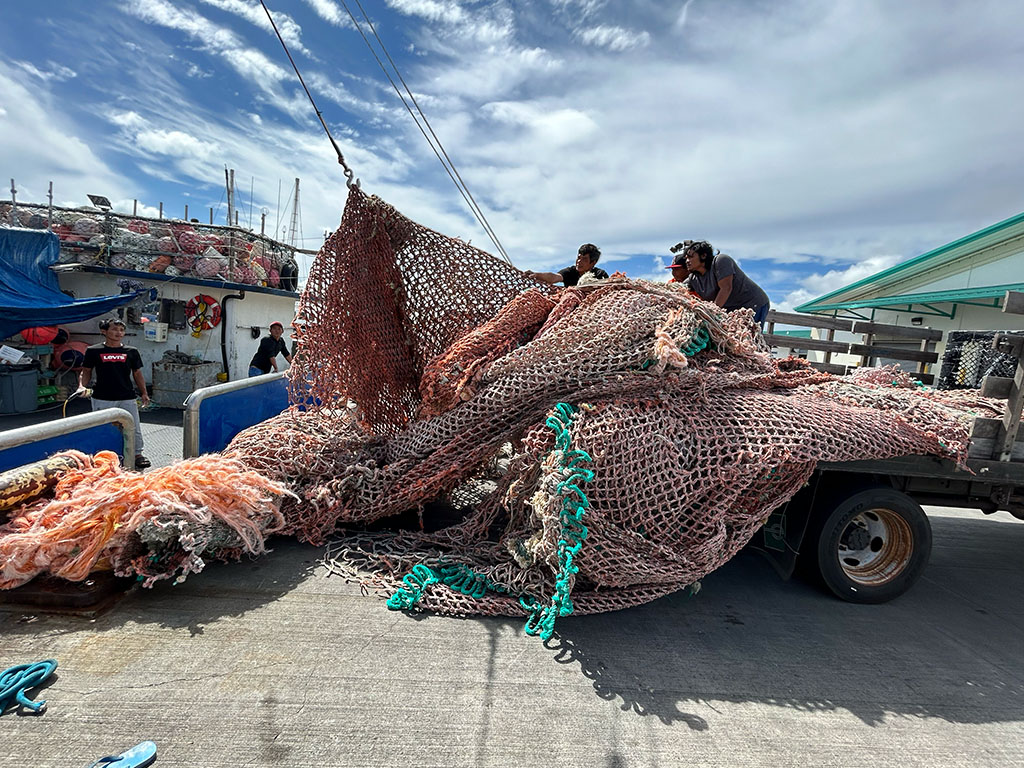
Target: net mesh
{"x": 172, "y": 247}
{"x": 970, "y": 357}
{"x": 582, "y": 449}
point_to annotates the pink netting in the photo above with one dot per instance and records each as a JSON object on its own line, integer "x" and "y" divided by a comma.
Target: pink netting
{"x": 431, "y": 371}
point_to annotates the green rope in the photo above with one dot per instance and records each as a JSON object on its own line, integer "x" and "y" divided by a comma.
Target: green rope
{"x": 419, "y": 578}
{"x": 575, "y": 503}
{"x": 698, "y": 343}
{"x": 461, "y": 578}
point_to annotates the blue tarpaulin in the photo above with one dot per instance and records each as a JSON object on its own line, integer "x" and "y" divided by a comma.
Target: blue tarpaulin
{"x": 29, "y": 294}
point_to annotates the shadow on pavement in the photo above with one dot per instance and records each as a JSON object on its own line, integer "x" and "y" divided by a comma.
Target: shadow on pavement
{"x": 749, "y": 637}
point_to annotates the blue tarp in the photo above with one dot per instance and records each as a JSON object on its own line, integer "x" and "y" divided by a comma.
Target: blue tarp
{"x": 29, "y": 294}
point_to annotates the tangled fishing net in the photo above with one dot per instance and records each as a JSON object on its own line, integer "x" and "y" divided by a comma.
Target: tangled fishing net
{"x": 581, "y": 450}
{"x": 154, "y": 526}
{"x": 574, "y": 450}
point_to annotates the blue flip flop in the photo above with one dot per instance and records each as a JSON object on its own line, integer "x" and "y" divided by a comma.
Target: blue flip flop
{"x": 138, "y": 756}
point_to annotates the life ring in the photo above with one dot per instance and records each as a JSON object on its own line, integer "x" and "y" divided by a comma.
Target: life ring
{"x": 202, "y": 313}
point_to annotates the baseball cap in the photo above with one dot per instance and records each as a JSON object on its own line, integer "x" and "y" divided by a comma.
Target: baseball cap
{"x": 277, "y": 322}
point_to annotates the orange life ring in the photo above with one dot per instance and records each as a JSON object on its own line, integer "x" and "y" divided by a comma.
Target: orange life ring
{"x": 202, "y": 313}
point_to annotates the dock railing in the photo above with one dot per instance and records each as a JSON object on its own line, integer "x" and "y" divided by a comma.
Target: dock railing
{"x": 112, "y": 429}
{"x": 862, "y": 352}
{"x": 214, "y": 415}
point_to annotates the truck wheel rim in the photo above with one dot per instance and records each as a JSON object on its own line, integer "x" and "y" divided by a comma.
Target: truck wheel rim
{"x": 875, "y": 547}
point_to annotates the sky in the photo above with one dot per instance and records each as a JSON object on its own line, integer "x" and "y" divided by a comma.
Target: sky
{"x": 816, "y": 142}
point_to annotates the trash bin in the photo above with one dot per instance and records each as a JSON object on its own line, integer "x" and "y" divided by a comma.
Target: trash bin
{"x": 18, "y": 388}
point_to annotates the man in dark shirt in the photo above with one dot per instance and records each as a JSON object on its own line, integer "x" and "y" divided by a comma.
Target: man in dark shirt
{"x": 586, "y": 260}
{"x": 116, "y": 367}
{"x": 717, "y": 277}
{"x": 266, "y": 356}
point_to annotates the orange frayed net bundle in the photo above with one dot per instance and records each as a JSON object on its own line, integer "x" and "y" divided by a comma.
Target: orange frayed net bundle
{"x": 433, "y": 375}
{"x": 153, "y": 526}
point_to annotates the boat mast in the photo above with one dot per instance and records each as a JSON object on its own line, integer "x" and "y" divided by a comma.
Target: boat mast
{"x": 294, "y": 233}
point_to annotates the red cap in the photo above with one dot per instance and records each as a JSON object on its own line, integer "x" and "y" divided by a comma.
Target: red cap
{"x": 276, "y": 322}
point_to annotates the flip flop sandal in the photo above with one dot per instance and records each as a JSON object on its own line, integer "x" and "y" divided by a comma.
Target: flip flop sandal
{"x": 138, "y": 756}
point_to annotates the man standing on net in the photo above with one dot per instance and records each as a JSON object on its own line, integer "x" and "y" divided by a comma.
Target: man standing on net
{"x": 266, "y": 356}
{"x": 586, "y": 261}
{"x": 116, "y": 366}
{"x": 716, "y": 277}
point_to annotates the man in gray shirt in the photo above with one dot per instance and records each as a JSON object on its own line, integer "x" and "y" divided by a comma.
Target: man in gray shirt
{"x": 716, "y": 277}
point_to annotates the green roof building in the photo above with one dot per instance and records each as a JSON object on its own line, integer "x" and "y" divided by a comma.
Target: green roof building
{"x": 956, "y": 287}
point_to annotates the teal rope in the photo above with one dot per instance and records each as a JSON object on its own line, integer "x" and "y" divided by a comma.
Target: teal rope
{"x": 573, "y": 533}
{"x": 698, "y": 343}
{"x": 18, "y": 679}
{"x": 541, "y": 619}
{"x": 417, "y": 580}
{"x": 459, "y": 577}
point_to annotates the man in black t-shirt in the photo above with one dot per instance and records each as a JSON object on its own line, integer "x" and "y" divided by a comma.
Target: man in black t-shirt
{"x": 116, "y": 367}
{"x": 266, "y": 356}
{"x": 586, "y": 260}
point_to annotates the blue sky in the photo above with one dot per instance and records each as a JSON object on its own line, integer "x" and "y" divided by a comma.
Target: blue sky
{"x": 816, "y": 142}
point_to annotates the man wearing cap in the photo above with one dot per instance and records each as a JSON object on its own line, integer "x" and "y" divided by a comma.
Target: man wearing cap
{"x": 266, "y": 356}
{"x": 679, "y": 271}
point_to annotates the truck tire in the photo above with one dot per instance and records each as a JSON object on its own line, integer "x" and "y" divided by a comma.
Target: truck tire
{"x": 872, "y": 546}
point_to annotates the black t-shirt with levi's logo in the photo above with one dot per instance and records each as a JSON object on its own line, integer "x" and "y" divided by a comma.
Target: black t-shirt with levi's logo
{"x": 113, "y": 367}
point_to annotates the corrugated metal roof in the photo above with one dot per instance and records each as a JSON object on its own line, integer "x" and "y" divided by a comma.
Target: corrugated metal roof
{"x": 925, "y": 261}
{"x": 934, "y": 297}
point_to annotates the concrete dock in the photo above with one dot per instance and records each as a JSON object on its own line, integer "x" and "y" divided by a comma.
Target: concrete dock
{"x": 271, "y": 662}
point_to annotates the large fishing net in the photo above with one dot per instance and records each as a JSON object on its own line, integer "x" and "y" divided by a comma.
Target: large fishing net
{"x": 581, "y": 449}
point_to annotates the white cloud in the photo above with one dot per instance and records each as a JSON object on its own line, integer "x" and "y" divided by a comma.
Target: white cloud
{"x": 613, "y": 38}
{"x": 254, "y": 14}
{"x": 221, "y": 41}
{"x": 819, "y": 284}
{"x": 331, "y": 12}
{"x": 174, "y": 143}
{"x": 56, "y": 72}
{"x": 553, "y": 126}
{"x": 42, "y": 144}
{"x": 432, "y": 10}
{"x": 680, "y": 22}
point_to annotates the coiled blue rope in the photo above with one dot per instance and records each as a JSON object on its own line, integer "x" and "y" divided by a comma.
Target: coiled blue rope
{"x": 18, "y": 679}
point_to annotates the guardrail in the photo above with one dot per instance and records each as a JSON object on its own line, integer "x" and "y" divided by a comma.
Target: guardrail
{"x": 214, "y": 415}
{"x": 112, "y": 429}
{"x": 867, "y": 350}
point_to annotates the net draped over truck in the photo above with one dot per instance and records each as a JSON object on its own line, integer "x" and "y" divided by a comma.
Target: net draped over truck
{"x": 566, "y": 450}
{"x": 597, "y": 446}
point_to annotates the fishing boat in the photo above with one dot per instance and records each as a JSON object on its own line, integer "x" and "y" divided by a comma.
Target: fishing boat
{"x": 196, "y": 297}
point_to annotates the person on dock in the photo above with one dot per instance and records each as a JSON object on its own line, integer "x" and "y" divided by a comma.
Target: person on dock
{"x": 266, "y": 355}
{"x": 116, "y": 366}
{"x": 716, "y": 277}
{"x": 586, "y": 264}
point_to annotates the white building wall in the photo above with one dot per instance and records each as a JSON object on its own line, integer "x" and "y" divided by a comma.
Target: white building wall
{"x": 240, "y": 315}
{"x": 1009, "y": 269}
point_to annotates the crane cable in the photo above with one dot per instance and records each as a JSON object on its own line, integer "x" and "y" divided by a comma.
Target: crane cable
{"x": 439, "y": 150}
{"x": 452, "y": 171}
{"x": 349, "y": 175}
